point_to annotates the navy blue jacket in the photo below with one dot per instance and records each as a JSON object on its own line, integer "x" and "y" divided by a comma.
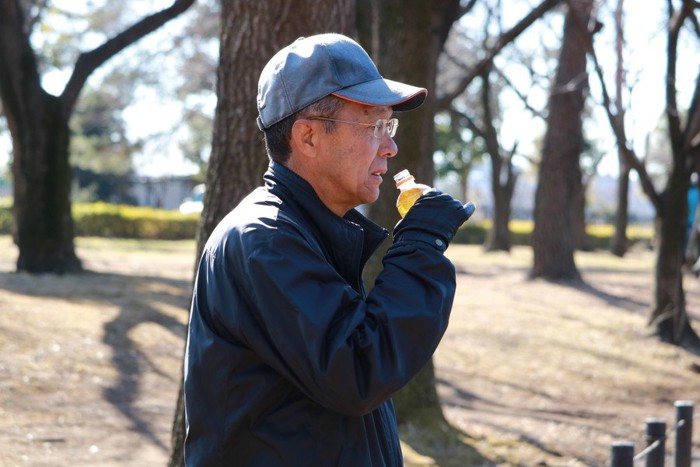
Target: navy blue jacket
{"x": 288, "y": 361}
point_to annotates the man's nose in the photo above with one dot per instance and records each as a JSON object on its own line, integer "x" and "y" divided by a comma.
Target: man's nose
{"x": 388, "y": 148}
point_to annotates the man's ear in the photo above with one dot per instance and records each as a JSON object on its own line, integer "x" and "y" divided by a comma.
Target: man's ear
{"x": 304, "y": 138}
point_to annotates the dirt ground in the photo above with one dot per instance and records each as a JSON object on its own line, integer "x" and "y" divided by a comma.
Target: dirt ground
{"x": 532, "y": 373}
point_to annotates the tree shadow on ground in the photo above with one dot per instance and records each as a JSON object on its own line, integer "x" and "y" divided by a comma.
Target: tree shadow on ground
{"x": 439, "y": 444}
{"x": 494, "y": 409}
{"x": 628, "y": 303}
{"x": 136, "y": 298}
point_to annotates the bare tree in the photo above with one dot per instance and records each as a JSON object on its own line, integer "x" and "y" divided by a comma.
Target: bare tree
{"x": 251, "y": 32}
{"x": 444, "y": 101}
{"x": 412, "y": 36}
{"x": 619, "y": 241}
{"x": 484, "y": 122}
{"x": 480, "y": 111}
{"x": 38, "y": 123}
{"x": 503, "y": 175}
{"x": 669, "y": 315}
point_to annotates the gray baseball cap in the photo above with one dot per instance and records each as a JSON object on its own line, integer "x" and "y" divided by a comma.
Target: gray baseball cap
{"x": 314, "y": 67}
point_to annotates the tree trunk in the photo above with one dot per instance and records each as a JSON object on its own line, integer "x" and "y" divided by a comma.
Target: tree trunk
{"x": 502, "y": 175}
{"x": 38, "y": 123}
{"x": 412, "y": 35}
{"x": 251, "y": 33}
{"x": 498, "y": 238}
{"x": 560, "y": 172}
{"x": 619, "y": 241}
{"x": 41, "y": 172}
{"x": 578, "y": 218}
{"x": 42, "y": 183}
{"x": 669, "y": 315}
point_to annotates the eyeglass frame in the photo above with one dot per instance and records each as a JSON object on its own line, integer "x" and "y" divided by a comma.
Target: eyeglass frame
{"x": 381, "y": 126}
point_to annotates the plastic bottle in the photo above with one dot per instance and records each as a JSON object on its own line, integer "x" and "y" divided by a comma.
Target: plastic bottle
{"x": 410, "y": 191}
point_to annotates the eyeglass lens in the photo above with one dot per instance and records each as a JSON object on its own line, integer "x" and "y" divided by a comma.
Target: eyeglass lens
{"x": 388, "y": 126}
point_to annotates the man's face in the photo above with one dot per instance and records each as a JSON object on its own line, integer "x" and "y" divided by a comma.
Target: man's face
{"x": 352, "y": 162}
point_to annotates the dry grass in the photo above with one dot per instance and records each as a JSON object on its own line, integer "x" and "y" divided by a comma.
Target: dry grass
{"x": 532, "y": 373}
{"x": 90, "y": 364}
{"x": 550, "y": 374}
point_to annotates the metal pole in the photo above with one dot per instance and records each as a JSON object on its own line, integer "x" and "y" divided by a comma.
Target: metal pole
{"x": 656, "y": 435}
{"x": 622, "y": 454}
{"x": 684, "y": 433}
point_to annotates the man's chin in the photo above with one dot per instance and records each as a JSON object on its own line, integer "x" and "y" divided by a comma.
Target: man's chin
{"x": 371, "y": 198}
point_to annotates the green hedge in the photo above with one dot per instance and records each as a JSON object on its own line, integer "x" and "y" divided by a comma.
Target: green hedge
{"x": 471, "y": 234}
{"x": 474, "y": 233}
{"x": 120, "y": 221}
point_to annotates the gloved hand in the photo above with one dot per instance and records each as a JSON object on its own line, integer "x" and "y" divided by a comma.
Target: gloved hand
{"x": 434, "y": 219}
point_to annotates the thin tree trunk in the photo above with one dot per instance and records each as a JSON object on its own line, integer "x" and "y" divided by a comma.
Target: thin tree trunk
{"x": 502, "y": 175}
{"x": 619, "y": 241}
{"x": 498, "y": 238}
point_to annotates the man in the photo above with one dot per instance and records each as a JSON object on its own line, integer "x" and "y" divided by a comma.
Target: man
{"x": 288, "y": 361}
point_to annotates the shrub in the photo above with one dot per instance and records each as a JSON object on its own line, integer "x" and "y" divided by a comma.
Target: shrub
{"x": 112, "y": 220}
{"x": 121, "y": 221}
{"x": 599, "y": 235}
{"x": 471, "y": 234}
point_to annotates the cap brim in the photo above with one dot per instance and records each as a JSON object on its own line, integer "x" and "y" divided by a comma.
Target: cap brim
{"x": 398, "y": 96}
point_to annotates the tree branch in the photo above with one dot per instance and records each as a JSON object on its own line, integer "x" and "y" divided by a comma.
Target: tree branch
{"x": 674, "y": 121}
{"x": 617, "y": 125}
{"x": 519, "y": 94}
{"x": 691, "y": 16}
{"x": 90, "y": 61}
{"x": 452, "y": 12}
{"x": 470, "y": 123}
{"x": 504, "y": 39}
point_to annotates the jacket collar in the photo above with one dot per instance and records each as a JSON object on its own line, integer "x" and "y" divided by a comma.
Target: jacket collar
{"x": 338, "y": 233}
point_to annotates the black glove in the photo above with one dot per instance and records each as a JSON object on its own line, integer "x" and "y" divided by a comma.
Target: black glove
{"x": 434, "y": 219}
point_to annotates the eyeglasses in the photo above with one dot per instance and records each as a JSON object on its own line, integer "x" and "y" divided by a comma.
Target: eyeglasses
{"x": 381, "y": 126}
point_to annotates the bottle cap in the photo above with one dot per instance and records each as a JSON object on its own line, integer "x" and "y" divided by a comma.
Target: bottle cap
{"x": 402, "y": 177}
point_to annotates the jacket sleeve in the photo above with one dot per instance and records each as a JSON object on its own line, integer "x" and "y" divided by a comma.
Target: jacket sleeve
{"x": 347, "y": 353}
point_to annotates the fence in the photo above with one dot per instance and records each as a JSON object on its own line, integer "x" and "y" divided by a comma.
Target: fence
{"x": 654, "y": 454}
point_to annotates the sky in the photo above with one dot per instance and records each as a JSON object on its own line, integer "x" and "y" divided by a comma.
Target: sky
{"x": 150, "y": 114}
{"x": 646, "y": 68}
{"x": 645, "y": 64}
